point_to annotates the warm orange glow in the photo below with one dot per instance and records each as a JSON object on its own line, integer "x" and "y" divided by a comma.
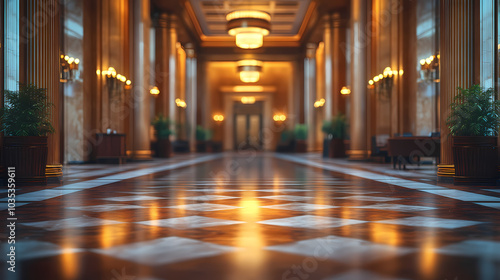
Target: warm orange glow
{"x": 319, "y": 103}
{"x": 346, "y": 91}
{"x": 248, "y": 89}
{"x": 249, "y": 76}
{"x": 279, "y": 118}
{"x": 249, "y": 37}
{"x": 248, "y": 100}
{"x": 180, "y": 103}
{"x": 128, "y": 82}
{"x": 154, "y": 91}
{"x": 218, "y": 118}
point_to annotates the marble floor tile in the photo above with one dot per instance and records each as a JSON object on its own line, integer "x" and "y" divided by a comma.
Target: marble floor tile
{"x": 68, "y": 223}
{"x": 209, "y": 197}
{"x": 311, "y": 221}
{"x": 495, "y": 205}
{"x": 361, "y": 275}
{"x": 463, "y": 195}
{"x": 133, "y": 198}
{"x": 41, "y": 195}
{"x": 5, "y": 206}
{"x": 396, "y": 207}
{"x": 189, "y": 222}
{"x": 300, "y": 207}
{"x": 369, "y": 198}
{"x": 165, "y": 251}
{"x": 483, "y": 249}
{"x": 288, "y": 197}
{"x": 420, "y": 221}
{"x": 203, "y": 207}
{"x": 355, "y": 252}
{"x": 105, "y": 207}
{"x": 33, "y": 249}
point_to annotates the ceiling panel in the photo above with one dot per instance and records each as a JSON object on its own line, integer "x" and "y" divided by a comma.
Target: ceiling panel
{"x": 286, "y": 15}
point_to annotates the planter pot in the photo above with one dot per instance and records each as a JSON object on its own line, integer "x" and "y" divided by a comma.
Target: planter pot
{"x": 301, "y": 146}
{"x": 29, "y": 157}
{"x": 326, "y": 148}
{"x": 163, "y": 148}
{"x": 336, "y": 148}
{"x": 201, "y": 146}
{"x": 181, "y": 146}
{"x": 475, "y": 159}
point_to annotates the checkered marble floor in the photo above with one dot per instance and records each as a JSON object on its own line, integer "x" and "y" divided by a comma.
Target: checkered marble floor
{"x": 272, "y": 217}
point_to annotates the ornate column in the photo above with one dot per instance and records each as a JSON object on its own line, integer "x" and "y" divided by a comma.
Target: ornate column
{"x": 359, "y": 46}
{"x": 141, "y": 118}
{"x": 310, "y": 92}
{"x": 171, "y": 52}
{"x": 161, "y": 64}
{"x": 191, "y": 94}
{"x": 335, "y": 64}
{"x": 460, "y": 64}
{"x": 39, "y": 65}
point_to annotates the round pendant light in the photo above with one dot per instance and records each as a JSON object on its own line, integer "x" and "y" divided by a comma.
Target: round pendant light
{"x": 249, "y": 27}
{"x": 249, "y": 70}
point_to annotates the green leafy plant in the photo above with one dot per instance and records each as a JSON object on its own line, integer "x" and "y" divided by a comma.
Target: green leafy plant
{"x": 300, "y": 132}
{"x": 336, "y": 127}
{"x": 26, "y": 112}
{"x": 203, "y": 134}
{"x": 286, "y": 136}
{"x": 162, "y": 125}
{"x": 474, "y": 112}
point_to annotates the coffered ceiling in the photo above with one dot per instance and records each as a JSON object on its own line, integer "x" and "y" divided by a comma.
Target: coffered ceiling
{"x": 291, "y": 20}
{"x": 287, "y": 16}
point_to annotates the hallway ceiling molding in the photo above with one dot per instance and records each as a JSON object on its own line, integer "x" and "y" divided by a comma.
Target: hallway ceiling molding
{"x": 289, "y": 19}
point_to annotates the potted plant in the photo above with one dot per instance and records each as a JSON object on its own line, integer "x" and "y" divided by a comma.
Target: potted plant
{"x": 25, "y": 122}
{"x": 203, "y": 137}
{"x": 300, "y": 133}
{"x": 335, "y": 131}
{"x": 286, "y": 143}
{"x": 163, "y": 146}
{"x": 473, "y": 123}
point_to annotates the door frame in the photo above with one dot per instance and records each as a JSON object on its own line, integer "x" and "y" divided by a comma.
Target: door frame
{"x": 261, "y": 128}
{"x": 267, "y": 118}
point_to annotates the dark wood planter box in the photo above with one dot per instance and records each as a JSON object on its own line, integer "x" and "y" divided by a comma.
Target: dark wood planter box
{"x": 110, "y": 147}
{"x": 301, "y": 146}
{"x": 475, "y": 159}
{"x": 28, "y": 154}
{"x": 181, "y": 146}
{"x": 336, "y": 148}
{"x": 163, "y": 148}
{"x": 201, "y": 146}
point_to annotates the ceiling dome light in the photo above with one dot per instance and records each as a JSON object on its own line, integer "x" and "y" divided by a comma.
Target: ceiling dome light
{"x": 249, "y": 70}
{"x": 249, "y": 27}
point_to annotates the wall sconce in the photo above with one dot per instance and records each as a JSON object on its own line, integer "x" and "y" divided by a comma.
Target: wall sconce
{"x": 345, "y": 91}
{"x": 429, "y": 69}
{"x": 113, "y": 79}
{"x": 385, "y": 80}
{"x": 68, "y": 68}
{"x": 319, "y": 103}
{"x": 248, "y": 100}
{"x": 218, "y": 118}
{"x": 279, "y": 118}
{"x": 180, "y": 103}
{"x": 154, "y": 91}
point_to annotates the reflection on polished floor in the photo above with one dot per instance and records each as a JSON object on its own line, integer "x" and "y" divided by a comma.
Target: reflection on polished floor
{"x": 254, "y": 216}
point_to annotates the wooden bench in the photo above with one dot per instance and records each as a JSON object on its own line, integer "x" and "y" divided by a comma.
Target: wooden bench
{"x": 404, "y": 150}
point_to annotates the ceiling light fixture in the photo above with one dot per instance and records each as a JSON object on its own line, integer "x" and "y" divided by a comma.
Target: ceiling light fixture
{"x": 249, "y": 27}
{"x": 249, "y": 70}
{"x": 248, "y": 100}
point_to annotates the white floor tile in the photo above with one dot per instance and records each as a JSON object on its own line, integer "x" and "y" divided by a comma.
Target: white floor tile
{"x": 420, "y": 221}
{"x": 368, "y": 198}
{"x": 105, "y": 207}
{"x": 165, "y": 251}
{"x": 311, "y": 221}
{"x": 300, "y": 207}
{"x": 351, "y": 251}
{"x": 133, "y": 198}
{"x": 396, "y": 207}
{"x": 189, "y": 222}
{"x": 203, "y": 207}
{"x": 79, "y": 222}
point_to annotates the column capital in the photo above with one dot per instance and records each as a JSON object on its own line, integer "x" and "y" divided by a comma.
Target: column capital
{"x": 190, "y": 50}
{"x": 311, "y": 50}
{"x": 165, "y": 20}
